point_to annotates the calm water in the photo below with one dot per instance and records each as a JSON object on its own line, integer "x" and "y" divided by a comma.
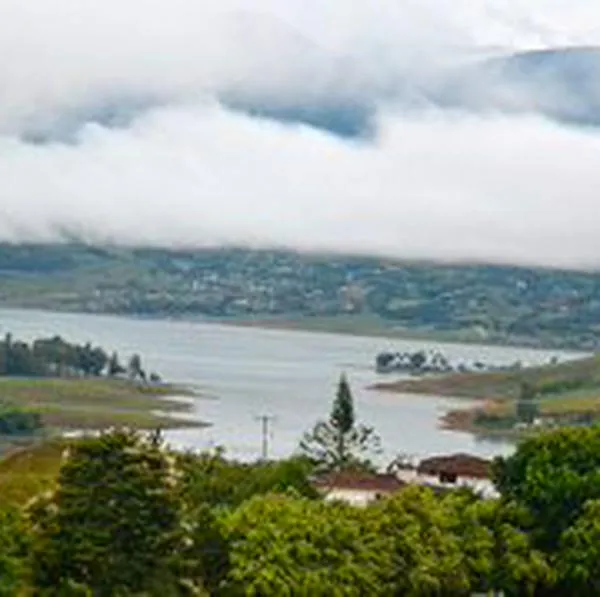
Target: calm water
{"x": 246, "y": 372}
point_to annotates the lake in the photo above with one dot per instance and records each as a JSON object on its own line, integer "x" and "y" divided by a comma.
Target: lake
{"x": 245, "y": 372}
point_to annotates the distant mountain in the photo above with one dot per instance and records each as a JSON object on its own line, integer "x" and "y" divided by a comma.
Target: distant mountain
{"x": 562, "y": 84}
{"x": 345, "y": 119}
{"x": 66, "y": 125}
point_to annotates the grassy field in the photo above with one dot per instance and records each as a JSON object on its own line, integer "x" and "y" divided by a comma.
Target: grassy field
{"x": 371, "y": 326}
{"x": 500, "y": 384}
{"x": 95, "y": 403}
{"x": 27, "y": 472}
{"x": 565, "y": 390}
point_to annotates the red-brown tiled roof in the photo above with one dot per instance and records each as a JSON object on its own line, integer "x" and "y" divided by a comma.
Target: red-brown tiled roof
{"x": 462, "y": 465}
{"x": 359, "y": 481}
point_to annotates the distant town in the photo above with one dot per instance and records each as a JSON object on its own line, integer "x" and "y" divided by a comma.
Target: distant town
{"x": 509, "y": 305}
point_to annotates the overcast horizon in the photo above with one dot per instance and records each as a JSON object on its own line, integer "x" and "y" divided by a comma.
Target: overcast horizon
{"x": 176, "y": 124}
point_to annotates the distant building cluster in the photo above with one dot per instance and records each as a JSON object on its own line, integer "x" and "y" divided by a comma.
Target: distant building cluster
{"x": 440, "y": 473}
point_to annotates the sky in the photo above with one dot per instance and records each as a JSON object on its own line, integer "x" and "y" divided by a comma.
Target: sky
{"x": 176, "y": 165}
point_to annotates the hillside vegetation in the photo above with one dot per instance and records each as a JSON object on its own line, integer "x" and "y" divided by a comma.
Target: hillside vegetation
{"x": 122, "y": 514}
{"x": 551, "y": 308}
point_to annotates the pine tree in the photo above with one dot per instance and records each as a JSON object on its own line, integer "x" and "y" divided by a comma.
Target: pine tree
{"x": 342, "y": 413}
{"x": 341, "y": 443}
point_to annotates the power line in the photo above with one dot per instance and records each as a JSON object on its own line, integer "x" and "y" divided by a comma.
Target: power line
{"x": 264, "y": 421}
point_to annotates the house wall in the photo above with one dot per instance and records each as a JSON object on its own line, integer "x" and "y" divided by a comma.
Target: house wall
{"x": 355, "y": 497}
{"x": 484, "y": 487}
{"x": 412, "y": 476}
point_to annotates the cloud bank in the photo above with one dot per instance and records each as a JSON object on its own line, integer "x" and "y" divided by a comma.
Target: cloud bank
{"x": 117, "y": 121}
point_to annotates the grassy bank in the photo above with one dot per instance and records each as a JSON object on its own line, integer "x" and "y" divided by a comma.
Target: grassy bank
{"x": 500, "y": 384}
{"x": 373, "y": 326}
{"x": 26, "y": 472}
{"x": 564, "y": 392}
{"x": 90, "y": 404}
{"x": 351, "y": 325}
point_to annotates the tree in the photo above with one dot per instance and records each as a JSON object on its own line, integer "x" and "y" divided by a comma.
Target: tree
{"x": 552, "y": 475}
{"x": 578, "y": 559}
{"x": 91, "y": 360}
{"x": 281, "y": 545}
{"x": 98, "y": 361}
{"x": 527, "y": 407}
{"x": 115, "y": 525}
{"x": 206, "y": 556}
{"x": 496, "y": 546}
{"x": 418, "y": 360}
{"x": 342, "y": 415}
{"x": 340, "y": 443}
{"x": 211, "y": 479}
{"x": 50, "y": 357}
{"x": 83, "y": 359}
{"x": 135, "y": 367}
{"x": 20, "y": 360}
{"x": 5, "y": 354}
{"x": 14, "y": 541}
{"x": 114, "y": 366}
{"x": 426, "y": 552}
{"x": 212, "y": 484}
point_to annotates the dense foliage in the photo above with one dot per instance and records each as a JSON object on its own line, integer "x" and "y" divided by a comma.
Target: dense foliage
{"x": 213, "y": 480}
{"x": 283, "y": 545}
{"x": 56, "y": 357}
{"x": 14, "y": 543}
{"x": 129, "y": 518}
{"x": 553, "y": 475}
{"x": 115, "y": 524}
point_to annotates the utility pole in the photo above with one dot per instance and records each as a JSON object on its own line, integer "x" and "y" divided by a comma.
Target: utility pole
{"x": 264, "y": 421}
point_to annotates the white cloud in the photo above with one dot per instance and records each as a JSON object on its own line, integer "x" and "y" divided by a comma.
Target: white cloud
{"x": 434, "y": 185}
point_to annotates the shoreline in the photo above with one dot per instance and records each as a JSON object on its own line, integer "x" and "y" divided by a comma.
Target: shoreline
{"x": 564, "y": 393}
{"x": 328, "y": 325}
{"x": 173, "y": 409}
{"x": 178, "y": 406}
{"x": 340, "y": 329}
{"x": 97, "y": 403}
{"x": 462, "y": 420}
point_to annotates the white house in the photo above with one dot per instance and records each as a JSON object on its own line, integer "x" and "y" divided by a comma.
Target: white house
{"x": 357, "y": 488}
{"x": 448, "y": 472}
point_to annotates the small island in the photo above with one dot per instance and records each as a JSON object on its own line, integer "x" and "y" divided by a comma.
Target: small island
{"x": 423, "y": 362}
{"x": 50, "y": 385}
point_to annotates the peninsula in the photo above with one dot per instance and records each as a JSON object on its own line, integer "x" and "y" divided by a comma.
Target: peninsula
{"x": 514, "y": 402}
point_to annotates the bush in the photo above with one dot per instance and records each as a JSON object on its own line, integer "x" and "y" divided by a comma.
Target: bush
{"x": 15, "y": 421}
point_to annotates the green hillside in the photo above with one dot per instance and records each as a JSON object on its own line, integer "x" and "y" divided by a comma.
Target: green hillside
{"x": 508, "y": 305}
